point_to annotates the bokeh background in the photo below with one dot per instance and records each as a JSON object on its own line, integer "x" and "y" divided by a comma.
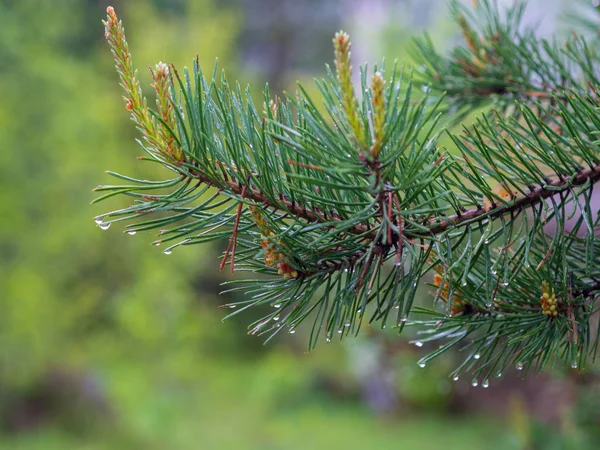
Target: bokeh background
{"x": 106, "y": 343}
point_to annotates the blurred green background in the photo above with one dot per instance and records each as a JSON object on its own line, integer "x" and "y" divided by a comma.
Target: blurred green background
{"x": 106, "y": 343}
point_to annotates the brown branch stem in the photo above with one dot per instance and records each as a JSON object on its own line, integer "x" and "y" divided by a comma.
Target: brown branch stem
{"x": 534, "y": 196}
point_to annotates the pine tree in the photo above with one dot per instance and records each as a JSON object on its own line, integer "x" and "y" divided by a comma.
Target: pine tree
{"x": 340, "y": 206}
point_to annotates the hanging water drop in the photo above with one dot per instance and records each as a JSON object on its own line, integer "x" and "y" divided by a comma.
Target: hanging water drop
{"x": 455, "y": 377}
{"x": 292, "y": 331}
{"x": 573, "y": 364}
{"x": 98, "y": 220}
{"x": 419, "y": 344}
{"x": 474, "y": 383}
{"x": 131, "y": 233}
{"x": 276, "y": 318}
{"x": 519, "y": 366}
{"x": 421, "y": 364}
{"x": 277, "y": 305}
{"x": 167, "y": 252}
{"x": 476, "y": 356}
{"x": 104, "y": 226}
{"x": 339, "y": 331}
{"x": 464, "y": 283}
{"x": 499, "y": 375}
{"x": 485, "y": 384}
{"x": 347, "y": 324}
{"x": 504, "y": 283}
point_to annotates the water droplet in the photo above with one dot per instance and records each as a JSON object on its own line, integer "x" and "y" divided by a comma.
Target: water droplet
{"x": 476, "y": 356}
{"x": 504, "y": 283}
{"x": 131, "y": 233}
{"x": 397, "y": 307}
{"x": 419, "y": 344}
{"x": 403, "y": 320}
{"x": 104, "y": 226}
{"x": 519, "y": 366}
{"x": 415, "y": 284}
{"x": 328, "y": 340}
{"x": 359, "y": 310}
{"x": 347, "y": 324}
{"x": 474, "y": 383}
{"x": 485, "y": 384}
{"x": 421, "y": 364}
{"x": 98, "y": 220}
{"x": 276, "y": 318}
{"x": 292, "y": 331}
{"x": 487, "y": 241}
{"x": 455, "y": 377}
{"x": 277, "y": 305}
{"x": 167, "y": 252}
{"x": 425, "y": 88}
{"x": 493, "y": 271}
{"x": 157, "y": 243}
{"x": 464, "y": 283}
{"x": 573, "y": 364}
{"x": 339, "y": 331}
{"x": 233, "y": 306}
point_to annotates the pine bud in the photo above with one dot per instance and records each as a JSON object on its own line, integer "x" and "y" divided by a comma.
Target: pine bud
{"x": 341, "y": 44}
{"x": 548, "y": 300}
{"x": 164, "y": 105}
{"x": 503, "y": 191}
{"x": 378, "y": 103}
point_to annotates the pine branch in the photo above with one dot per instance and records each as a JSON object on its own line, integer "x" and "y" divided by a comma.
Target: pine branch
{"x": 534, "y": 195}
{"x": 503, "y": 61}
{"x": 348, "y": 209}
